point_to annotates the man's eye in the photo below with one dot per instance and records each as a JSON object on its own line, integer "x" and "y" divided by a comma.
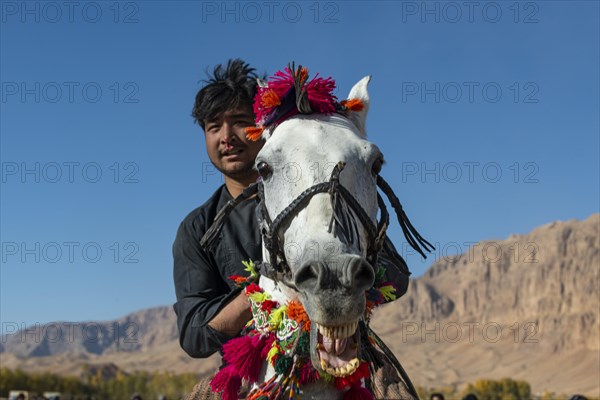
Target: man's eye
{"x": 245, "y": 123}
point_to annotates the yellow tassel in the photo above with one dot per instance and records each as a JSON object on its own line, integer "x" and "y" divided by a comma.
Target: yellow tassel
{"x": 250, "y": 268}
{"x": 259, "y": 297}
{"x": 272, "y": 353}
{"x": 388, "y": 292}
{"x": 276, "y": 317}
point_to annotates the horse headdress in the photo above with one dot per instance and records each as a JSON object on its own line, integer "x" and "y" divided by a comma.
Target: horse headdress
{"x": 320, "y": 278}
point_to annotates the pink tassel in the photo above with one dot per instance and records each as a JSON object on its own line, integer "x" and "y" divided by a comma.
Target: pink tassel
{"x": 279, "y": 85}
{"x": 308, "y": 374}
{"x": 267, "y": 346}
{"x": 357, "y": 392}
{"x": 244, "y": 354}
{"x": 228, "y": 382}
{"x": 320, "y": 94}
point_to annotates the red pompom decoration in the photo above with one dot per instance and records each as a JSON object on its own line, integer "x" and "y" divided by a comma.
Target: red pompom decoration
{"x": 268, "y": 305}
{"x": 361, "y": 372}
{"x": 357, "y": 392}
{"x": 253, "y": 288}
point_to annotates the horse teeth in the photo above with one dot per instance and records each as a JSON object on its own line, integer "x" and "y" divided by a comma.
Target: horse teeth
{"x": 338, "y": 331}
{"x": 348, "y": 369}
{"x": 352, "y": 366}
{"x": 322, "y": 330}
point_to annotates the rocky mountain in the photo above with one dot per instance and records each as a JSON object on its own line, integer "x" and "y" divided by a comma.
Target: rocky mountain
{"x": 137, "y": 332}
{"x": 526, "y": 307}
{"x": 549, "y": 273}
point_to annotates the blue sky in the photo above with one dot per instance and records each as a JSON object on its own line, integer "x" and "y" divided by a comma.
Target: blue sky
{"x": 488, "y": 118}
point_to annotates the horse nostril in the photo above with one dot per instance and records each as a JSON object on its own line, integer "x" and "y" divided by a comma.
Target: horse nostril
{"x": 362, "y": 274}
{"x": 307, "y": 276}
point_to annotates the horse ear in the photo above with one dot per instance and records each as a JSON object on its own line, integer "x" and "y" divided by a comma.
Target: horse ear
{"x": 359, "y": 118}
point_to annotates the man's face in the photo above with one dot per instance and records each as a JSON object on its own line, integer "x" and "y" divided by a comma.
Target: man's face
{"x": 227, "y": 146}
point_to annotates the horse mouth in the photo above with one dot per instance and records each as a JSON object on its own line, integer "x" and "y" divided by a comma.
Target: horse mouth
{"x": 337, "y": 348}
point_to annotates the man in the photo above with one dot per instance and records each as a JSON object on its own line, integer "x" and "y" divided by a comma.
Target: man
{"x": 210, "y": 310}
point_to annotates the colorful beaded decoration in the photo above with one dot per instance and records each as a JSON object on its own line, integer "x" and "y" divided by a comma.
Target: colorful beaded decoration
{"x": 280, "y": 335}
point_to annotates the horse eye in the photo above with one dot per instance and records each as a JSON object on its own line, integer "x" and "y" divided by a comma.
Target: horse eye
{"x": 376, "y": 169}
{"x": 264, "y": 170}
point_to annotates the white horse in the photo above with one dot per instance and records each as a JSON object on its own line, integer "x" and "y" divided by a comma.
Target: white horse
{"x": 321, "y": 239}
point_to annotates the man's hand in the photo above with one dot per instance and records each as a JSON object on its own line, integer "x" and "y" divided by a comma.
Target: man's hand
{"x": 233, "y": 317}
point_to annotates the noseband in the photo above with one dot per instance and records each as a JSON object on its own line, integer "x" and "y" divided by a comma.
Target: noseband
{"x": 277, "y": 267}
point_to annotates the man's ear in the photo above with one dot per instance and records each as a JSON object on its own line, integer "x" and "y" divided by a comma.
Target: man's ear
{"x": 359, "y": 118}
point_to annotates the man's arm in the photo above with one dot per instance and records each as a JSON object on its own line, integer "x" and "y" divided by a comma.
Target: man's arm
{"x": 233, "y": 317}
{"x": 208, "y": 313}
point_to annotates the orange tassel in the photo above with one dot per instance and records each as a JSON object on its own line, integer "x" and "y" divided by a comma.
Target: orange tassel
{"x": 269, "y": 99}
{"x": 296, "y": 312}
{"x": 303, "y": 75}
{"x": 254, "y": 132}
{"x": 353, "y": 104}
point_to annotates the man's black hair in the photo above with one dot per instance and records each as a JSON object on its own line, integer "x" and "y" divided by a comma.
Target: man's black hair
{"x": 230, "y": 87}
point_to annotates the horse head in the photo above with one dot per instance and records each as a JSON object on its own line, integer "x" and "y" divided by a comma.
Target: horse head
{"x": 324, "y": 243}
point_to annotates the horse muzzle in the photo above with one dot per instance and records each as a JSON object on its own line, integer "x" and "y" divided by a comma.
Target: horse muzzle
{"x": 333, "y": 294}
{"x": 346, "y": 272}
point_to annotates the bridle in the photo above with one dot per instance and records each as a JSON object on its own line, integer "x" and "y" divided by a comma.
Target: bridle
{"x": 277, "y": 267}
